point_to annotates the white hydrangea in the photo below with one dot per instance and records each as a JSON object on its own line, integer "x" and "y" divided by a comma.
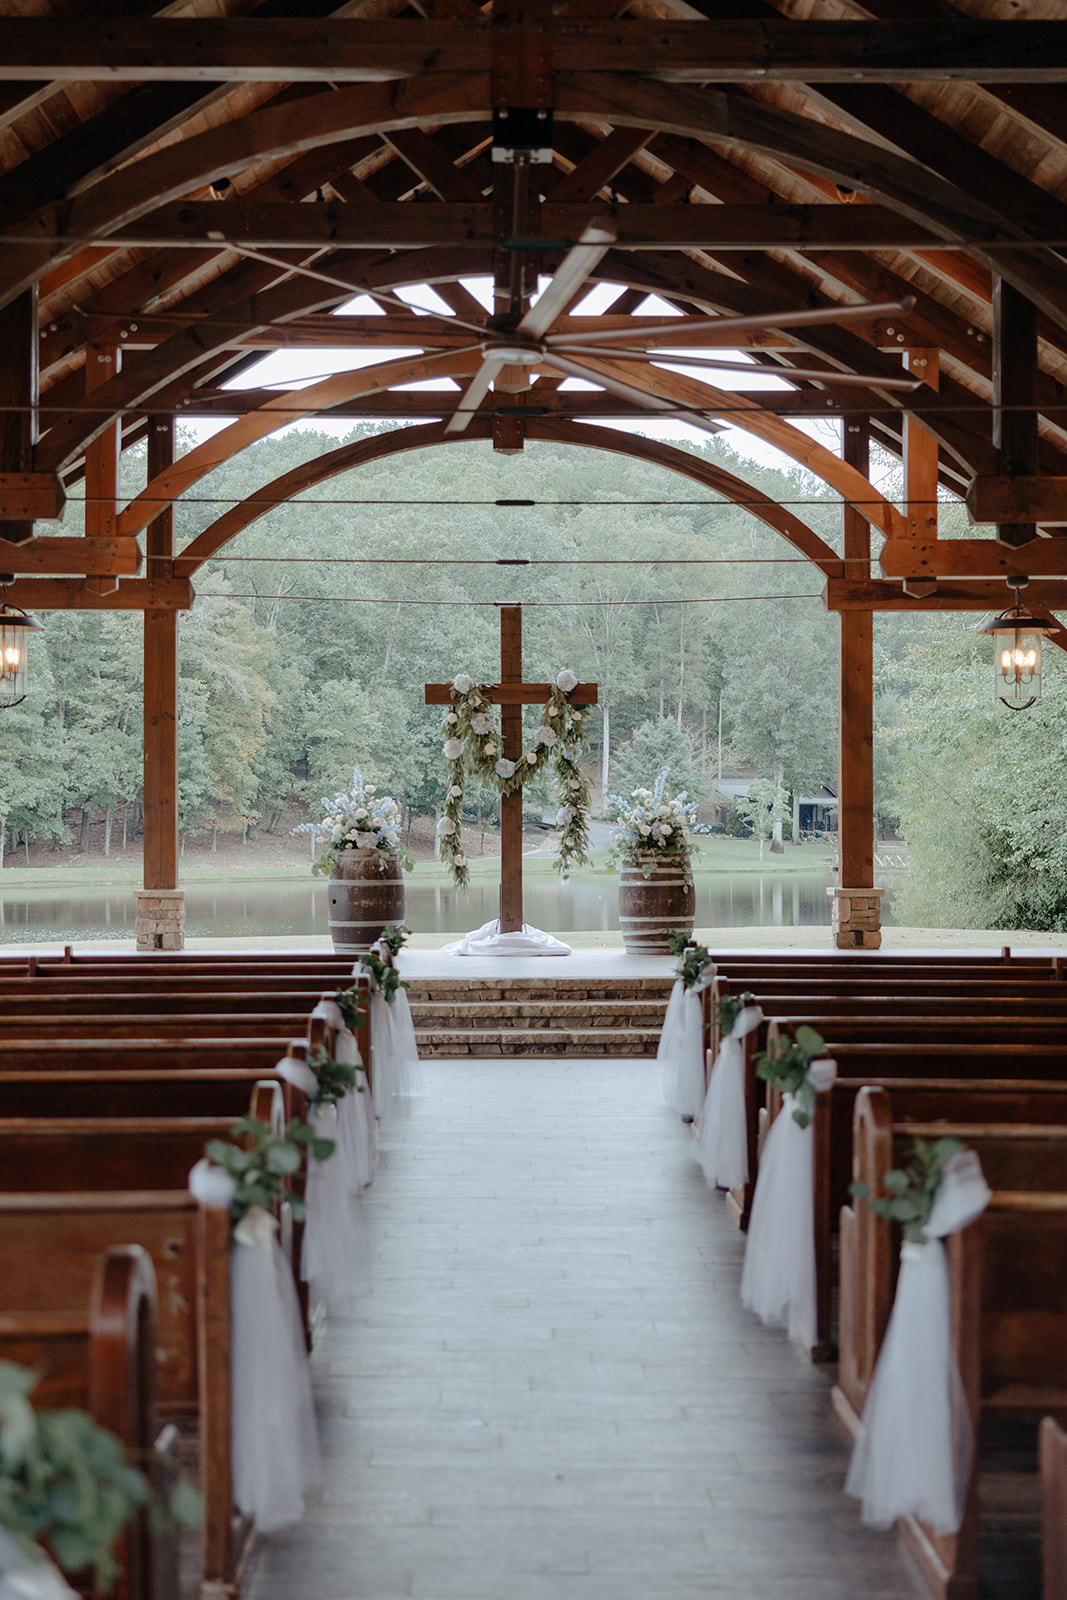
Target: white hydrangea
{"x": 482, "y": 722}
{"x": 564, "y": 815}
{"x": 366, "y": 841}
{"x": 453, "y": 749}
{"x": 445, "y": 826}
{"x": 462, "y": 683}
{"x": 504, "y": 768}
{"x": 353, "y": 833}
{"x": 566, "y": 681}
{"x": 545, "y": 735}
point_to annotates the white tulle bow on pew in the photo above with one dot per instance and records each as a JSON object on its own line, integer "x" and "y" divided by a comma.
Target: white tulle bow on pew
{"x": 681, "y": 1046}
{"x": 778, "y": 1279}
{"x": 913, "y": 1455}
{"x": 275, "y": 1448}
{"x": 330, "y": 1012}
{"x": 355, "y": 1123}
{"x": 30, "y": 1576}
{"x": 335, "y": 1257}
{"x": 722, "y": 1148}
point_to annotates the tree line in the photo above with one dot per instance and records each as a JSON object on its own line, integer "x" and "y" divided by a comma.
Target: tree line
{"x": 304, "y": 656}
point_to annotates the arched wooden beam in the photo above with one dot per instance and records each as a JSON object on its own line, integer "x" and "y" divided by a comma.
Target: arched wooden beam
{"x": 383, "y": 445}
{"x": 170, "y": 484}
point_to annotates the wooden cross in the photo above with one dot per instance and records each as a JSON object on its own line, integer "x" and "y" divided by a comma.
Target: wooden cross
{"x": 511, "y": 694}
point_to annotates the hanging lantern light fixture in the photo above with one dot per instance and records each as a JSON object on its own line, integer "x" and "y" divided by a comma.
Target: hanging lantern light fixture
{"x": 1017, "y": 636}
{"x": 15, "y": 629}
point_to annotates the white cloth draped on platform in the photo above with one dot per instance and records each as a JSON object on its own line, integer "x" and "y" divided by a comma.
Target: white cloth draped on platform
{"x": 274, "y": 1438}
{"x": 335, "y": 1259}
{"x": 913, "y": 1455}
{"x": 722, "y": 1147}
{"x": 489, "y": 941}
{"x": 681, "y": 1046}
{"x": 778, "y": 1278}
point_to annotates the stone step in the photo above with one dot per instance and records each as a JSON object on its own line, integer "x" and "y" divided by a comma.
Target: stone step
{"x": 537, "y": 1042}
{"x": 440, "y": 1014}
{"x": 547, "y": 988}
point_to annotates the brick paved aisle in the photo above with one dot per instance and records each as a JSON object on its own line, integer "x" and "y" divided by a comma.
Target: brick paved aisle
{"x": 552, "y": 1390}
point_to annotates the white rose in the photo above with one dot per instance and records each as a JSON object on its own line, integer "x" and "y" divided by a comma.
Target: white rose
{"x": 576, "y": 783}
{"x": 482, "y": 722}
{"x": 352, "y": 833}
{"x": 576, "y": 716}
{"x": 362, "y": 812}
{"x": 446, "y": 825}
{"x": 504, "y": 768}
{"x": 451, "y": 718}
{"x": 459, "y": 861}
{"x": 453, "y": 749}
{"x": 370, "y": 788}
{"x": 566, "y": 681}
{"x": 531, "y": 758}
{"x": 667, "y": 830}
{"x": 490, "y": 749}
{"x": 336, "y": 833}
{"x": 643, "y": 829}
{"x": 463, "y": 684}
{"x": 455, "y": 793}
{"x": 544, "y": 735}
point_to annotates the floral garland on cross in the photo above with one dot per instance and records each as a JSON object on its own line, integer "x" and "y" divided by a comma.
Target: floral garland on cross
{"x": 473, "y": 746}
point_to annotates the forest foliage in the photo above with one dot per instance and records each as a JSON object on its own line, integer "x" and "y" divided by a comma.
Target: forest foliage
{"x": 315, "y": 629}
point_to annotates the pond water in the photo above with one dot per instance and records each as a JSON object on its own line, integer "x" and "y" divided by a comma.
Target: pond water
{"x": 277, "y": 909}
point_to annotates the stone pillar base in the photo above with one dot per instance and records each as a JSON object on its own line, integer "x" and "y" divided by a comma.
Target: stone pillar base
{"x": 160, "y": 919}
{"x": 856, "y": 921}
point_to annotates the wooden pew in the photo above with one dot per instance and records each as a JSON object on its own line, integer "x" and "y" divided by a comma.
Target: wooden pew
{"x": 1053, "y": 1451}
{"x": 73, "y": 1188}
{"x": 1009, "y": 1281}
{"x": 1021, "y": 1147}
{"x": 96, "y": 1352}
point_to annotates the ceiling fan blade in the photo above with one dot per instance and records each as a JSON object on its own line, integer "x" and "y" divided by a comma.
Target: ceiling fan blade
{"x": 770, "y": 319}
{"x": 626, "y": 391}
{"x": 581, "y": 259}
{"x": 868, "y": 381}
{"x": 473, "y": 395}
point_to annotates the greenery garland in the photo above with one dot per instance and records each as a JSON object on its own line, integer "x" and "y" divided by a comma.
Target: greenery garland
{"x": 473, "y": 747}
{"x": 912, "y": 1189}
{"x": 787, "y": 1065}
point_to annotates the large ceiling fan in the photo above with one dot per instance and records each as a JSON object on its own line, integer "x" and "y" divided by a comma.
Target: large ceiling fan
{"x": 531, "y": 344}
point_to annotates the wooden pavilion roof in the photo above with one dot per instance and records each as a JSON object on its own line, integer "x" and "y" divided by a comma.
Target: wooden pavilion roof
{"x": 197, "y": 183}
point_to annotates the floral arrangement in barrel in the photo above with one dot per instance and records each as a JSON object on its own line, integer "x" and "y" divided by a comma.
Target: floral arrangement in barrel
{"x": 359, "y": 820}
{"x": 473, "y": 747}
{"x": 652, "y": 826}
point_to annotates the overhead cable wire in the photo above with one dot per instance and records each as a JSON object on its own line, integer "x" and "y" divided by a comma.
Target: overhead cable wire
{"x": 382, "y": 600}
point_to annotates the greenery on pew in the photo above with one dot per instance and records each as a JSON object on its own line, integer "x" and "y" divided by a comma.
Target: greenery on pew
{"x": 692, "y": 958}
{"x": 384, "y": 975}
{"x": 335, "y": 1078}
{"x": 728, "y": 1008}
{"x": 396, "y": 936}
{"x": 67, "y": 1483}
{"x": 348, "y": 1000}
{"x": 912, "y": 1189}
{"x": 786, "y": 1065}
{"x": 264, "y": 1160}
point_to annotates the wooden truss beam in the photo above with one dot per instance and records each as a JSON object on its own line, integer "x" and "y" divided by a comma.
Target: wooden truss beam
{"x": 973, "y": 558}
{"x": 70, "y": 594}
{"x": 237, "y": 49}
{"x": 105, "y": 557}
{"x": 402, "y": 225}
{"x": 844, "y": 594}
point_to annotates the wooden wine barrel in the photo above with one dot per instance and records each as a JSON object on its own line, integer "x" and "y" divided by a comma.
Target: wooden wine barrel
{"x": 365, "y": 895}
{"x": 650, "y": 908}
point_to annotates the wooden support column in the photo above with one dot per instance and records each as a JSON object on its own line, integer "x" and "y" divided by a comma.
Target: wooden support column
{"x": 511, "y": 804}
{"x": 920, "y": 465}
{"x": 1015, "y": 434}
{"x": 102, "y": 362}
{"x": 19, "y": 376}
{"x": 160, "y": 904}
{"x": 857, "y": 918}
